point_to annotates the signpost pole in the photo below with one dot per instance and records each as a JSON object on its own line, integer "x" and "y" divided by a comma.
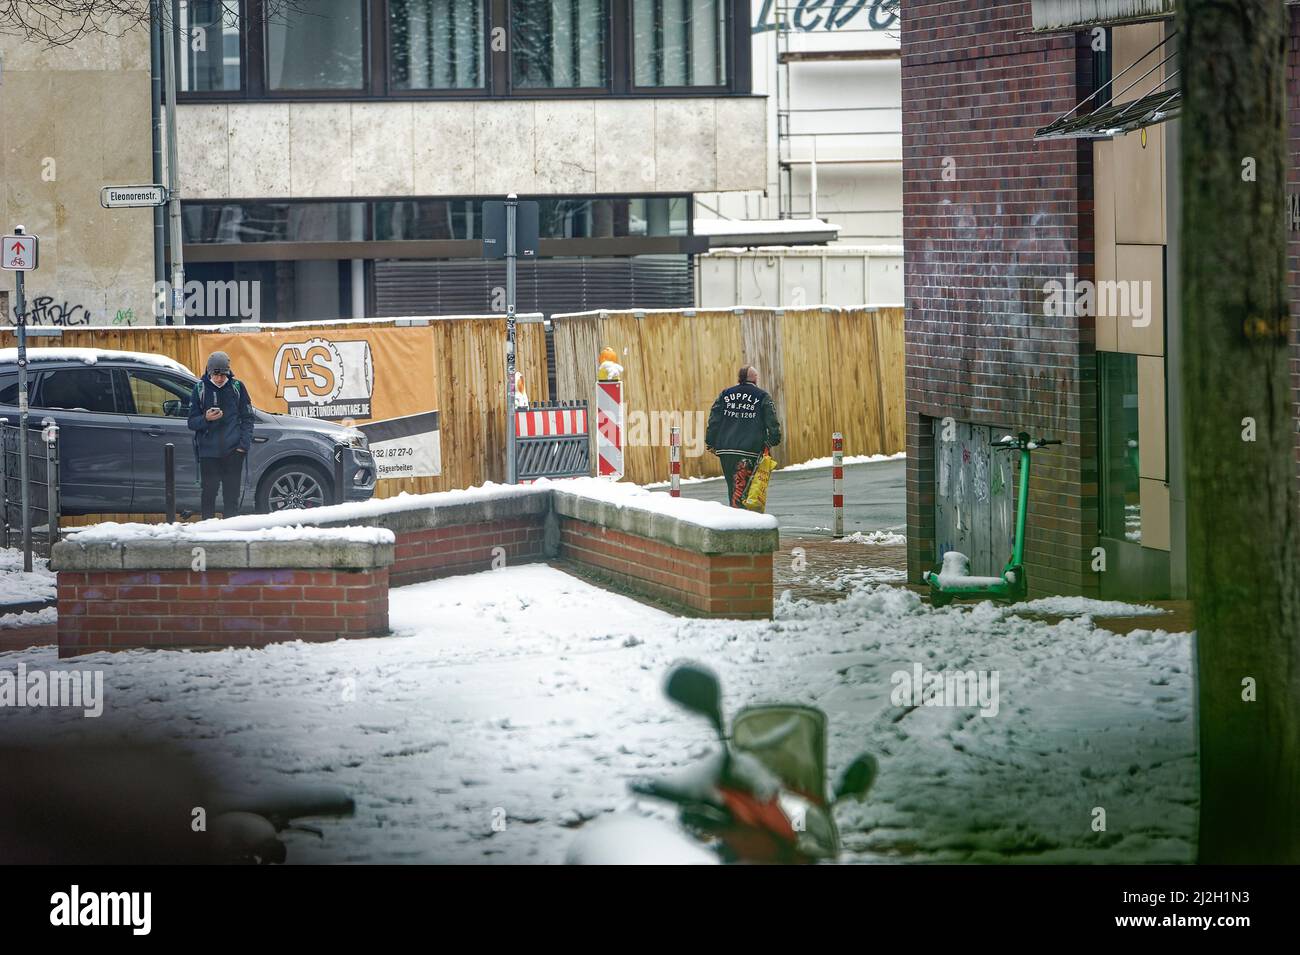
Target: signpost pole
{"x": 512, "y": 208}
{"x": 176, "y": 297}
{"x": 21, "y": 316}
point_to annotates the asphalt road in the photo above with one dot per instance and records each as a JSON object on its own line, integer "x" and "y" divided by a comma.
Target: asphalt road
{"x": 874, "y": 498}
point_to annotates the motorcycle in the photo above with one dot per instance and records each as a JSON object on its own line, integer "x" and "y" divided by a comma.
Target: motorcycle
{"x": 761, "y": 799}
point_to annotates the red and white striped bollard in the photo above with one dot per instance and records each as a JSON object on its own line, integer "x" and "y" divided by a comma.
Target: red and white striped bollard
{"x": 675, "y": 461}
{"x": 837, "y": 484}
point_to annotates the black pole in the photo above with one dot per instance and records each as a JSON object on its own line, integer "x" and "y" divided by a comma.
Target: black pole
{"x": 159, "y": 216}
{"x": 4, "y": 474}
{"x": 338, "y": 473}
{"x": 52, "y": 482}
{"x": 169, "y": 480}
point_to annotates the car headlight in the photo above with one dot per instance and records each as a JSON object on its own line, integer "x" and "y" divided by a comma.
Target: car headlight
{"x": 355, "y": 439}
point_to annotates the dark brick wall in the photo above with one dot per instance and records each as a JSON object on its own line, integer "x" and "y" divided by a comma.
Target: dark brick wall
{"x": 464, "y": 549}
{"x": 977, "y": 252}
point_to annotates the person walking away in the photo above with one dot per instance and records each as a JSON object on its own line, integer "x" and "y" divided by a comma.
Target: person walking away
{"x": 221, "y": 417}
{"x": 742, "y": 422}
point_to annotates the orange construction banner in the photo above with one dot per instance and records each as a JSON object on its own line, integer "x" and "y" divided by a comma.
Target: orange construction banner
{"x": 381, "y": 381}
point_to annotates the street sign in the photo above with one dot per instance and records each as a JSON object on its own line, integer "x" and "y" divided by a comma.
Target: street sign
{"x": 494, "y": 229}
{"x": 132, "y": 197}
{"x": 19, "y": 253}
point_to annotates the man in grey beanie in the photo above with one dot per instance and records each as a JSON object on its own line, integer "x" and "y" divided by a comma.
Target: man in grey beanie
{"x": 221, "y": 417}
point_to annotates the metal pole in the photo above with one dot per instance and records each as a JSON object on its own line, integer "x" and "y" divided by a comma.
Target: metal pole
{"x": 22, "y": 413}
{"x": 176, "y": 298}
{"x": 52, "y": 481}
{"x": 4, "y": 474}
{"x": 339, "y": 478}
{"x": 512, "y": 208}
{"x": 156, "y": 133}
{"x": 169, "y": 480}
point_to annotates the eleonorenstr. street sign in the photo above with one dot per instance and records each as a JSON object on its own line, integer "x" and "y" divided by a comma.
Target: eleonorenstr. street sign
{"x": 132, "y": 197}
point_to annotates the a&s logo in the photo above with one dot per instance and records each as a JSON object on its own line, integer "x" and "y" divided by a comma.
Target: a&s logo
{"x": 319, "y": 378}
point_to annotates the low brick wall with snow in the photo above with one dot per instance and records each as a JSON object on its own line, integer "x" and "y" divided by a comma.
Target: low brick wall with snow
{"x": 324, "y": 573}
{"x": 126, "y": 587}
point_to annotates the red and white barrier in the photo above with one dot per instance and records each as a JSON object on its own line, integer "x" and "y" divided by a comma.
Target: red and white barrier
{"x": 675, "y": 461}
{"x": 837, "y": 484}
{"x": 609, "y": 429}
{"x": 533, "y": 423}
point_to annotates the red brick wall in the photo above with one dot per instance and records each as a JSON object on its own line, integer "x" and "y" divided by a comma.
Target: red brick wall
{"x": 977, "y": 252}
{"x": 712, "y": 585}
{"x": 117, "y": 610}
{"x": 463, "y": 549}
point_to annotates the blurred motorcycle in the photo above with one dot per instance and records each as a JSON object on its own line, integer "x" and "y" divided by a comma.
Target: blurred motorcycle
{"x": 761, "y": 799}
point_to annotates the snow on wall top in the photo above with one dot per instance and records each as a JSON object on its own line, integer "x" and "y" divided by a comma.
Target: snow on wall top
{"x": 713, "y": 515}
{"x": 90, "y": 356}
{"x": 214, "y": 531}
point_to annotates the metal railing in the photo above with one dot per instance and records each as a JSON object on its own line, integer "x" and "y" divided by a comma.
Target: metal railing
{"x": 43, "y": 506}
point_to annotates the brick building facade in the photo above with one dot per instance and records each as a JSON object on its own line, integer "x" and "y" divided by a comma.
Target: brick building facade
{"x": 989, "y": 217}
{"x": 992, "y": 215}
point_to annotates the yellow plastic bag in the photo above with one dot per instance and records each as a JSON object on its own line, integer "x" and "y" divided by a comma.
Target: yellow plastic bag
{"x": 756, "y": 499}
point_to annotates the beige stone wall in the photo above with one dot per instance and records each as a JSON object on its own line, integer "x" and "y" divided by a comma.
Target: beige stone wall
{"x": 72, "y": 120}
{"x": 298, "y": 150}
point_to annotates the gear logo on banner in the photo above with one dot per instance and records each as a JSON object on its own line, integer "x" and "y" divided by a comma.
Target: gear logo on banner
{"x": 319, "y": 378}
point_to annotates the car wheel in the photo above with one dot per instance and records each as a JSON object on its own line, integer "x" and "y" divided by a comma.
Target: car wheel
{"x": 293, "y": 486}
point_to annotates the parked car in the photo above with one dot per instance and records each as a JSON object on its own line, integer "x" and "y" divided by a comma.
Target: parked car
{"x": 116, "y": 411}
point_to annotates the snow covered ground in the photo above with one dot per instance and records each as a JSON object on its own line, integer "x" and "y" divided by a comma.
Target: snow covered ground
{"x": 18, "y": 586}
{"x": 511, "y": 706}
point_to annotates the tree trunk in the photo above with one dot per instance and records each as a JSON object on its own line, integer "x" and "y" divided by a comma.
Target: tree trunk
{"x": 1243, "y": 511}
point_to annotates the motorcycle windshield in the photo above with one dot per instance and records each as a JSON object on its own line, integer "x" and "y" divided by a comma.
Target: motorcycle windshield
{"x": 790, "y": 741}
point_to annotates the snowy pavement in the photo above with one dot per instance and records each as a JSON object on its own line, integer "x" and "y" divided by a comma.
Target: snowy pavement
{"x": 511, "y": 706}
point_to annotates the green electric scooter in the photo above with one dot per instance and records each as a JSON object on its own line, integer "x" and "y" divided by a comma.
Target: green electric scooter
{"x": 952, "y": 580}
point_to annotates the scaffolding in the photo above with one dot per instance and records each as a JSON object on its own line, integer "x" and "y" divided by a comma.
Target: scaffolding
{"x": 789, "y": 131}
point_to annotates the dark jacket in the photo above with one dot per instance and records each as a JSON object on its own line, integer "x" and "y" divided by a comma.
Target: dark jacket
{"x": 234, "y": 429}
{"x": 742, "y": 421}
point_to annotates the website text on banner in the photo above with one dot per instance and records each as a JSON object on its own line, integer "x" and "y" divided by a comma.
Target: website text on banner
{"x": 381, "y": 381}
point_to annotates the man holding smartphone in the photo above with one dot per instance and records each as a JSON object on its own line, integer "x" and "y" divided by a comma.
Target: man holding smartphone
{"x": 221, "y": 417}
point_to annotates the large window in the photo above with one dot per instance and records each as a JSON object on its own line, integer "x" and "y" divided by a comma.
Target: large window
{"x": 316, "y": 46}
{"x": 680, "y": 42}
{"x": 436, "y": 44}
{"x": 1121, "y": 507}
{"x": 558, "y": 44}
{"x": 207, "y": 45}
{"x": 233, "y": 50}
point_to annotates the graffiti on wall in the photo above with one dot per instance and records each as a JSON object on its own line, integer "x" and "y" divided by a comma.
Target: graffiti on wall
{"x": 45, "y": 310}
{"x": 807, "y": 15}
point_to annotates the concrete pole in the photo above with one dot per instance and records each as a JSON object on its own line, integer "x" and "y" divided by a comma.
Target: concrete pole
{"x": 176, "y": 299}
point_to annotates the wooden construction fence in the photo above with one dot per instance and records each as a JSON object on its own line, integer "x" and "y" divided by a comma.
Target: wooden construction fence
{"x": 827, "y": 369}
{"x": 468, "y": 360}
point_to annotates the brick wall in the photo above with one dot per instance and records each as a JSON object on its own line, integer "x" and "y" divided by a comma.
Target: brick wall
{"x": 977, "y": 252}
{"x": 712, "y": 585}
{"x": 464, "y": 548}
{"x": 118, "y": 610}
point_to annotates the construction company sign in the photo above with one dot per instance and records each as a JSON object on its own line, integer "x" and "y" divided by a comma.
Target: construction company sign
{"x": 378, "y": 380}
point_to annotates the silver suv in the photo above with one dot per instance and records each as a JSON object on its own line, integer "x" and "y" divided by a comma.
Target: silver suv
{"x": 117, "y": 410}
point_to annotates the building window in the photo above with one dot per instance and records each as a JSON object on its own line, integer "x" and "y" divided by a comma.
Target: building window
{"x": 240, "y": 222}
{"x": 207, "y": 45}
{"x": 680, "y": 42}
{"x": 317, "y": 46}
{"x": 435, "y": 44}
{"x": 1121, "y": 503}
{"x": 558, "y": 44}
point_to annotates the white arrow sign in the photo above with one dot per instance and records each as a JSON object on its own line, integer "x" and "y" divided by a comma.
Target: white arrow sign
{"x": 132, "y": 197}
{"x": 18, "y": 253}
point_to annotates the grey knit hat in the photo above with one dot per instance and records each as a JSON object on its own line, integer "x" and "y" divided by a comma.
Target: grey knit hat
{"x": 219, "y": 361}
